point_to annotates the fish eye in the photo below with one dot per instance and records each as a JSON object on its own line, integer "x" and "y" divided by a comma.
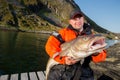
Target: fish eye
{"x": 85, "y": 38}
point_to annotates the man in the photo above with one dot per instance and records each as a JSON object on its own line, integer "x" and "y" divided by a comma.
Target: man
{"x": 69, "y": 68}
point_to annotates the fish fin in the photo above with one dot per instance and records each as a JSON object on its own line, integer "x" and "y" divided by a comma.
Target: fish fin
{"x": 63, "y": 53}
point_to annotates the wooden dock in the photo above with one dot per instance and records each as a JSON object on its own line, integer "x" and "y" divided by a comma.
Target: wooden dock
{"x": 40, "y": 75}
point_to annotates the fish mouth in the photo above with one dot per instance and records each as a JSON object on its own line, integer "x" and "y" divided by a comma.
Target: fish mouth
{"x": 97, "y": 44}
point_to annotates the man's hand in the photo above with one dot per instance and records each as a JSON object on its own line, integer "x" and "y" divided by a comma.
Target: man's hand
{"x": 70, "y": 61}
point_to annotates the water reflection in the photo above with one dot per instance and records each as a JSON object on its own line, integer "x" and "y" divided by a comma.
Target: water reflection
{"x": 22, "y": 52}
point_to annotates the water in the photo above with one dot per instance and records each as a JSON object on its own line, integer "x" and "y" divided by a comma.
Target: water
{"x": 111, "y": 42}
{"x": 22, "y": 52}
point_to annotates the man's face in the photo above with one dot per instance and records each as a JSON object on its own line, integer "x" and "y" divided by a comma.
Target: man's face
{"x": 77, "y": 22}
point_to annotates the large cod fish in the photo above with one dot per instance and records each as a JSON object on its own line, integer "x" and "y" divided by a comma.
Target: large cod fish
{"x": 79, "y": 48}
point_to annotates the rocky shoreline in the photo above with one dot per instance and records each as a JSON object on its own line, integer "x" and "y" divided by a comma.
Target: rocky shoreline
{"x": 29, "y": 31}
{"x": 110, "y": 69}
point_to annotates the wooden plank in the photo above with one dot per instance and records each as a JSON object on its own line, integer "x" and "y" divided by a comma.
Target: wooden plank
{"x": 41, "y": 75}
{"x": 14, "y": 77}
{"x": 24, "y": 76}
{"x": 4, "y": 77}
{"x": 33, "y": 76}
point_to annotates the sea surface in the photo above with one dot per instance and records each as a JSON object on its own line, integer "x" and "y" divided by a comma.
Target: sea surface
{"x": 22, "y": 52}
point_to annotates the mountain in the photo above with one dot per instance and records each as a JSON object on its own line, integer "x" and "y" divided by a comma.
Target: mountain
{"x": 41, "y": 15}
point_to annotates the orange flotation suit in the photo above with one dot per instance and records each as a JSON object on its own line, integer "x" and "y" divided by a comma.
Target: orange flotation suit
{"x": 53, "y": 44}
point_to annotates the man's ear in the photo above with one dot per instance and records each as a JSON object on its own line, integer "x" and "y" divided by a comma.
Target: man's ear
{"x": 70, "y": 21}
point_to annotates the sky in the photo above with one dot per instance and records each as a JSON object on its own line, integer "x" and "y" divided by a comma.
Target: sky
{"x": 105, "y": 13}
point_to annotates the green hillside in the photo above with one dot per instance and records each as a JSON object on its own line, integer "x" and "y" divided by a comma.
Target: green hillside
{"x": 40, "y": 15}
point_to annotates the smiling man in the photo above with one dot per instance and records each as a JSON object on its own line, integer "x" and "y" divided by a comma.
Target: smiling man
{"x": 68, "y": 68}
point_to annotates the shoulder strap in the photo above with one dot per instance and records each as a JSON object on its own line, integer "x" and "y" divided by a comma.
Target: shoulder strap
{"x": 58, "y": 37}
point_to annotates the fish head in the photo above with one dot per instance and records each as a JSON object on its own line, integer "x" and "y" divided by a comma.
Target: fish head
{"x": 90, "y": 43}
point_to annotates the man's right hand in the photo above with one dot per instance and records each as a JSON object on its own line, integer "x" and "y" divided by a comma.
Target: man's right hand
{"x": 70, "y": 61}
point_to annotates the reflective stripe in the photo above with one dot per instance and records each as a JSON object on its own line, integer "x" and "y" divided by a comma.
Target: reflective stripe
{"x": 56, "y": 54}
{"x": 55, "y": 33}
{"x": 58, "y": 37}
